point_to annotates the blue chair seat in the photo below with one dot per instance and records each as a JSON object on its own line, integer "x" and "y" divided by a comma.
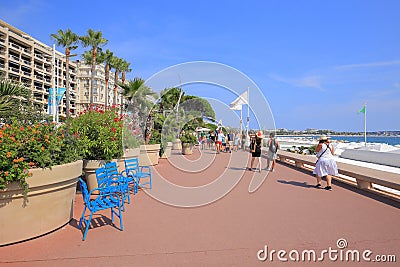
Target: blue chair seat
{"x": 138, "y": 173}
{"x": 108, "y": 198}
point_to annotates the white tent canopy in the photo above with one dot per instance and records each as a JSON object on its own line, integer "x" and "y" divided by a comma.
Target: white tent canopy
{"x": 202, "y": 129}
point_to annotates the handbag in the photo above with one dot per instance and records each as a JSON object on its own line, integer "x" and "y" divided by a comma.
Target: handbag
{"x": 323, "y": 153}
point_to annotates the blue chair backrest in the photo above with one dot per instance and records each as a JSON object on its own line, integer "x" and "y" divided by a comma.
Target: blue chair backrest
{"x": 112, "y": 169}
{"x": 85, "y": 191}
{"x": 132, "y": 164}
{"x": 101, "y": 176}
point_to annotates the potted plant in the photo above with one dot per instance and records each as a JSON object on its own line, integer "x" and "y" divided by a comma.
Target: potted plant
{"x": 188, "y": 141}
{"x": 99, "y": 133}
{"x": 39, "y": 169}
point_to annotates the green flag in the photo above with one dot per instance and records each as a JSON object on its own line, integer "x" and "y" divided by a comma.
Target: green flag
{"x": 362, "y": 110}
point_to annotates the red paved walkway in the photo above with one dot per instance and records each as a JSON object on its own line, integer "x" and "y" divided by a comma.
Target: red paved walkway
{"x": 284, "y": 213}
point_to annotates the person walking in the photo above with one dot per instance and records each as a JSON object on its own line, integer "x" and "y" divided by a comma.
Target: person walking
{"x": 230, "y": 141}
{"x": 326, "y": 165}
{"x": 220, "y": 138}
{"x": 236, "y": 141}
{"x": 213, "y": 138}
{"x": 255, "y": 149}
{"x": 272, "y": 155}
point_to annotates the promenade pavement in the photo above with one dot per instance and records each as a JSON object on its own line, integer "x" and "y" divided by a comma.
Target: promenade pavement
{"x": 211, "y": 219}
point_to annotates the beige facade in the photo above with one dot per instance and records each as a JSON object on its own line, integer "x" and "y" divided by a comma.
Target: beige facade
{"x": 99, "y": 90}
{"x": 27, "y": 60}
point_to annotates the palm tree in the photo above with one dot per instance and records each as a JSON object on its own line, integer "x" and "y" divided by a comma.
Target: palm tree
{"x": 94, "y": 40}
{"x": 124, "y": 68}
{"x": 66, "y": 39}
{"x": 107, "y": 59}
{"x": 139, "y": 95}
{"x": 116, "y": 63}
{"x": 10, "y": 93}
{"x": 170, "y": 98}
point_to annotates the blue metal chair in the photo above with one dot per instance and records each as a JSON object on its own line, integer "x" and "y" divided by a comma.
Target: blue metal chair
{"x": 94, "y": 203}
{"x": 101, "y": 176}
{"x": 132, "y": 169}
{"x": 115, "y": 178}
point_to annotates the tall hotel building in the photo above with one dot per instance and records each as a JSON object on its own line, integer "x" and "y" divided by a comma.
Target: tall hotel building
{"x": 29, "y": 61}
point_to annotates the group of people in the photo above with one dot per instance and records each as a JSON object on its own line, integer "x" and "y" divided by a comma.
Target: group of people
{"x": 255, "y": 150}
{"x": 325, "y": 167}
{"x": 219, "y": 141}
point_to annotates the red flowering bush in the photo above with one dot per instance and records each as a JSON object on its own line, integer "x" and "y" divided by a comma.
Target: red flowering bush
{"x": 35, "y": 146}
{"x": 99, "y": 133}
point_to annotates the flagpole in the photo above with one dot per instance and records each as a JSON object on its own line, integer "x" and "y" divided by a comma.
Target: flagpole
{"x": 248, "y": 113}
{"x": 241, "y": 125}
{"x": 365, "y": 124}
{"x": 53, "y": 97}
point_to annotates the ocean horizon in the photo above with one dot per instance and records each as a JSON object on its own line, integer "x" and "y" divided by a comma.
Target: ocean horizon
{"x": 390, "y": 140}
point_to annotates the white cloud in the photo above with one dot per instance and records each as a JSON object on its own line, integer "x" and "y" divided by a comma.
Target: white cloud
{"x": 312, "y": 81}
{"x": 368, "y": 65}
{"x": 20, "y": 11}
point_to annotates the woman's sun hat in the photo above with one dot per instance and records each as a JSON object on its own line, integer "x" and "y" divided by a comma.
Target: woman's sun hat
{"x": 323, "y": 137}
{"x": 260, "y": 134}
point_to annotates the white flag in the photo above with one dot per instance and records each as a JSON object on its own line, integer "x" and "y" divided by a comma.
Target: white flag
{"x": 237, "y": 107}
{"x": 238, "y": 102}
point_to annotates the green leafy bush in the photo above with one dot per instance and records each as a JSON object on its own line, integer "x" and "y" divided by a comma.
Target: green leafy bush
{"x": 99, "y": 133}
{"x": 189, "y": 139}
{"x": 34, "y": 146}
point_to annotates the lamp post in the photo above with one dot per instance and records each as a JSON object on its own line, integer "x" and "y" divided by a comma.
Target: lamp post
{"x": 53, "y": 97}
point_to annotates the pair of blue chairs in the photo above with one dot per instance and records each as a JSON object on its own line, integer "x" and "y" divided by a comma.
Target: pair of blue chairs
{"x": 141, "y": 175}
{"x": 98, "y": 199}
{"x": 109, "y": 178}
{"x": 113, "y": 190}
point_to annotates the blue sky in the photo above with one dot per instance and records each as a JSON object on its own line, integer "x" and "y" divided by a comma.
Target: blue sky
{"x": 316, "y": 62}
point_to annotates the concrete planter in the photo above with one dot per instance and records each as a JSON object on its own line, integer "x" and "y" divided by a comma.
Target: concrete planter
{"x": 177, "y": 145}
{"x": 167, "y": 151}
{"x": 149, "y": 155}
{"x": 187, "y": 149}
{"x": 48, "y": 206}
{"x": 131, "y": 153}
{"x": 128, "y": 154}
{"x": 89, "y": 167}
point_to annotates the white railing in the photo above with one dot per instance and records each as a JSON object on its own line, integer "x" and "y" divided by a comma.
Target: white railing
{"x": 13, "y": 69}
{"x": 14, "y": 57}
{"x": 14, "y": 45}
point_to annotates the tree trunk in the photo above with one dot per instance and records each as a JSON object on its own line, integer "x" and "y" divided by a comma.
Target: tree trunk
{"x": 122, "y": 97}
{"x": 67, "y": 94}
{"x": 92, "y": 75}
{"x": 107, "y": 74}
{"x": 148, "y": 127}
{"x": 115, "y": 87}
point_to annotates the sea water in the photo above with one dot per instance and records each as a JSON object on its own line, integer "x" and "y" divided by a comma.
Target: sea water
{"x": 390, "y": 140}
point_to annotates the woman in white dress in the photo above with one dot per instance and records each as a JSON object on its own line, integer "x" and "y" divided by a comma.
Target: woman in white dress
{"x": 326, "y": 165}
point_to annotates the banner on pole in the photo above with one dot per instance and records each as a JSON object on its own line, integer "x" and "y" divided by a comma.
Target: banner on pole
{"x": 59, "y": 95}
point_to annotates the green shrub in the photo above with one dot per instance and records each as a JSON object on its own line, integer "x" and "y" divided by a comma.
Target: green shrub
{"x": 99, "y": 133}
{"x": 33, "y": 146}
